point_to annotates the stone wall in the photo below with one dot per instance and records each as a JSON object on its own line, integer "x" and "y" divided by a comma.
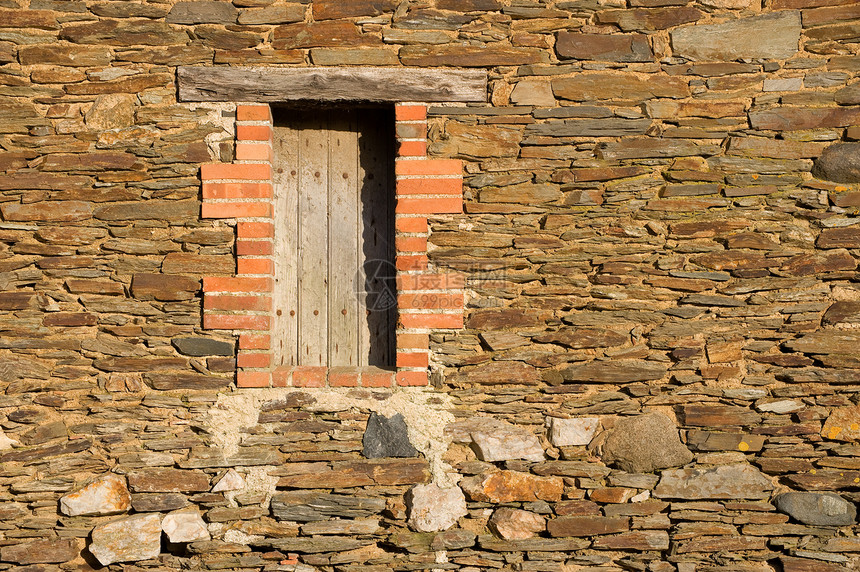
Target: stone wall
{"x": 658, "y": 369}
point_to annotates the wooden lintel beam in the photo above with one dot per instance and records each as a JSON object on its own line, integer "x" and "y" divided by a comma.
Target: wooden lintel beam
{"x": 374, "y": 84}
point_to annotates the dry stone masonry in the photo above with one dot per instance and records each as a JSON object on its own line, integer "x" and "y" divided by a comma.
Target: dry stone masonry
{"x": 651, "y": 211}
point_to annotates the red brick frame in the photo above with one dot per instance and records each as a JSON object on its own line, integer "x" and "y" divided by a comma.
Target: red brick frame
{"x": 427, "y": 300}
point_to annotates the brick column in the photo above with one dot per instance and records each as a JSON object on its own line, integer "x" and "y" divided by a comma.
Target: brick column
{"x": 242, "y": 191}
{"x": 426, "y": 300}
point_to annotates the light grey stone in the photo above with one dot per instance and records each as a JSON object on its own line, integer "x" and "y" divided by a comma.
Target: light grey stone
{"x": 231, "y": 481}
{"x": 106, "y": 494}
{"x": 817, "y": 509}
{"x": 572, "y": 432}
{"x": 129, "y": 539}
{"x": 185, "y": 526}
{"x": 433, "y": 508}
{"x": 516, "y": 524}
{"x": 783, "y": 84}
{"x": 740, "y": 481}
{"x": 496, "y": 440}
{"x": 645, "y": 443}
{"x": 770, "y": 36}
{"x": 532, "y": 92}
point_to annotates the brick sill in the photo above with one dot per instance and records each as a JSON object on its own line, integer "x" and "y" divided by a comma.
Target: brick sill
{"x": 321, "y": 376}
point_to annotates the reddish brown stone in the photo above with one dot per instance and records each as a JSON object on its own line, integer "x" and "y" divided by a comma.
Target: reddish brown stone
{"x": 320, "y": 35}
{"x": 501, "y": 373}
{"x": 848, "y": 237}
{"x": 164, "y": 287}
{"x": 133, "y": 84}
{"x": 586, "y": 525}
{"x": 717, "y": 415}
{"x": 335, "y": 9}
{"x": 502, "y": 319}
{"x": 359, "y": 474}
{"x": 649, "y": 18}
{"x": 577, "y": 507}
{"x": 47, "y": 551}
{"x": 171, "y": 381}
{"x": 809, "y": 264}
{"x": 750, "y": 240}
{"x": 200, "y": 264}
{"x": 44, "y": 19}
{"x": 613, "y": 85}
{"x": 581, "y": 338}
{"x": 512, "y": 486}
{"x": 15, "y": 300}
{"x": 124, "y": 33}
{"x": 70, "y": 319}
{"x": 722, "y": 543}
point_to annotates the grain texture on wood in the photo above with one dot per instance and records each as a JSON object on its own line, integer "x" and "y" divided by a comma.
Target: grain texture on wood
{"x": 286, "y": 207}
{"x": 383, "y": 84}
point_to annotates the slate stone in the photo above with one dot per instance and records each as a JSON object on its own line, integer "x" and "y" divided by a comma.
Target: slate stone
{"x": 740, "y": 39}
{"x": 740, "y": 481}
{"x": 130, "y": 539}
{"x": 843, "y": 424}
{"x": 620, "y": 371}
{"x": 817, "y": 509}
{"x": 645, "y": 443}
{"x": 203, "y": 347}
{"x": 604, "y": 47}
{"x": 590, "y": 86}
{"x": 433, "y": 508}
{"x": 202, "y": 12}
{"x": 839, "y": 162}
{"x": 54, "y": 550}
{"x": 308, "y": 506}
{"x": 387, "y": 437}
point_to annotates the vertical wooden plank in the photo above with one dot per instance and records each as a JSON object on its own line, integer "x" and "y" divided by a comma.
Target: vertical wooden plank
{"x": 313, "y": 241}
{"x": 286, "y": 192}
{"x": 376, "y": 151}
{"x": 343, "y": 317}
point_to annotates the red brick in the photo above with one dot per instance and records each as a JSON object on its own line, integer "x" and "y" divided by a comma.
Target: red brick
{"x": 416, "y": 224}
{"x": 411, "y": 341}
{"x": 410, "y": 149}
{"x": 254, "y": 341}
{"x": 235, "y": 322}
{"x": 444, "y": 321}
{"x": 447, "y": 281}
{"x": 412, "y": 378}
{"x": 247, "y": 151}
{"x": 255, "y": 266}
{"x": 343, "y": 377}
{"x": 253, "y": 359}
{"x": 428, "y": 167}
{"x": 429, "y": 206}
{"x": 252, "y": 379}
{"x": 413, "y": 359}
{"x": 236, "y": 210}
{"x": 254, "y": 247}
{"x": 247, "y": 112}
{"x": 281, "y": 376}
{"x": 233, "y": 302}
{"x": 237, "y": 190}
{"x": 236, "y": 284}
{"x": 430, "y": 301}
{"x": 377, "y": 378}
{"x": 253, "y": 133}
{"x": 309, "y": 376}
{"x": 255, "y": 230}
{"x": 430, "y": 187}
{"x": 246, "y": 171}
{"x": 410, "y": 112}
{"x": 410, "y": 243}
{"x": 411, "y": 262}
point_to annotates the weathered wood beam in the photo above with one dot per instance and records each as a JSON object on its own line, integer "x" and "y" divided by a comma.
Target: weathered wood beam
{"x": 375, "y": 84}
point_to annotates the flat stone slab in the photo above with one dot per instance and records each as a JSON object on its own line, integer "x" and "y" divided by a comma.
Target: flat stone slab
{"x": 106, "y": 494}
{"x": 817, "y": 509}
{"x": 740, "y": 39}
{"x": 129, "y": 539}
{"x": 572, "y": 432}
{"x": 740, "y": 481}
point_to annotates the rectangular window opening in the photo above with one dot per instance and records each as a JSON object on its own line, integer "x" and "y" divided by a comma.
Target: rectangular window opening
{"x": 335, "y": 302}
